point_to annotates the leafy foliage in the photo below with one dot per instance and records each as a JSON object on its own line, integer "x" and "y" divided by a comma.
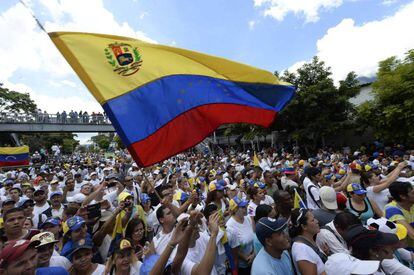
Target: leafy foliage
{"x": 15, "y": 101}
{"x": 35, "y": 141}
{"x": 391, "y": 112}
{"x": 102, "y": 141}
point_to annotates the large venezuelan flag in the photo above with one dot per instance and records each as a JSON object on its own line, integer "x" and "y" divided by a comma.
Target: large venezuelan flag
{"x": 14, "y": 156}
{"x": 164, "y": 100}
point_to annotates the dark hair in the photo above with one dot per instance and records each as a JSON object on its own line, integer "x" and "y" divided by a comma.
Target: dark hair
{"x": 131, "y": 227}
{"x": 209, "y": 209}
{"x": 298, "y": 218}
{"x": 251, "y": 191}
{"x": 262, "y": 210}
{"x": 160, "y": 212}
{"x": 398, "y": 188}
{"x": 312, "y": 172}
{"x": 163, "y": 188}
{"x": 344, "y": 220}
{"x": 11, "y": 211}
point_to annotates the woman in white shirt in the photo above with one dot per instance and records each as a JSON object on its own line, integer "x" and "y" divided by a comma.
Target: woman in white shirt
{"x": 124, "y": 261}
{"x": 307, "y": 257}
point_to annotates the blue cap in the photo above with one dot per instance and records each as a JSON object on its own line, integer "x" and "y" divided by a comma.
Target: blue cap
{"x": 260, "y": 185}
{"x": 289, "y": 170}
{"x": 202, "y": 179}
{"x": 56, "y": 193}
{"x": 23, "y": 201}
{"x": 8, "y": 182}
{"x": 145, "y": 198}
{"x": 266, "y": 226}
{"x": 237, "y": 202}
{"x": 222, "y": 182}
{"x": 52, "y": 221}
{"x": 55, "y": 270}
{"x": 356, "y": 188}
{"x": 329, "y": 176}
{"x": 75, "y": 222}
{"x": 81, "y": 244}
{"x": 375, "y": 154}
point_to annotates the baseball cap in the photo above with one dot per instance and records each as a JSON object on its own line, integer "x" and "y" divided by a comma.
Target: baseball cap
{"x": 355, "y": 166}
{"x": 7, "y": 201}
{"x": 44, "y": 238}
{"x": 78, "y": 198}
{"x": 266, "y": 226}
{"x": 23, "y": 201}
{"x": 81, "y": 244}
{"x": 74, "y": 223}
{"x": 260, "y": 185}
{"x": 289, "y": 171}
{"x": 145, "y": 198}
{"x": 55, "y": 270}
{"x": 386, "y": 226}
{"x": 123, "y": 196}
{"x": 358, "y": 236}
{"x": 356, "y": 188}
{"x": 14, "y": 250}
{"x": 215, "y": 186}
{"x": 328, "y": 197}
{"x": 38, "y": 189}
{"x": 51, "y": 221}
{"x": 124, "y": 244}
{"x": 54, "y": 193}
{"x": 345, "y": 264}
{"x": 236, "y": 202}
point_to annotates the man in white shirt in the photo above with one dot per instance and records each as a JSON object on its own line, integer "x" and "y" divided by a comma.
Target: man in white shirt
{"x": 41, "y": 205}
{"x": 46, "y": 249}
{"x": 332, "y": 234}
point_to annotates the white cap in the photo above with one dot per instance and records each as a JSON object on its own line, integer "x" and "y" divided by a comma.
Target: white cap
{"x": 232, "y": 186}
{"x": 93, "y": 173}
{"x": 85, "y": 183}
{"x": 376, "y": 162}
{"x": 328, "y": 197}
{"x": 78, "y": 198}
{"x": 345, "y": 264}
{"x": 107, "y": 169}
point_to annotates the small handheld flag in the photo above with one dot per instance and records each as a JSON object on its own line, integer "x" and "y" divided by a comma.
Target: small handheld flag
{"x": 298, "y": 202}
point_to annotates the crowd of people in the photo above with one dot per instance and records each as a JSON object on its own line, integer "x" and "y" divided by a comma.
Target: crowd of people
{"x": 72, "y": 117}
{"x": 267, "y": 212}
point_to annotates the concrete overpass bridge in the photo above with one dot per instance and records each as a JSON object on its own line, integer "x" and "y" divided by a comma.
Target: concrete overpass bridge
{"x": 42, "y": 122}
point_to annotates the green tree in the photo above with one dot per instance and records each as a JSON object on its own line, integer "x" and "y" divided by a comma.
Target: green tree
{"x": 35, "y": 141}
{"x": 15, "y": 101}
{"x": 391, "y": 112}
{"x": 102, "y": 141}
{"x": 119, "y": 142}
{"x": 319, "y": 109}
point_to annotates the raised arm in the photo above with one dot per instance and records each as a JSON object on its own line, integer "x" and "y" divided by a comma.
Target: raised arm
{"x": 385, "y": 183}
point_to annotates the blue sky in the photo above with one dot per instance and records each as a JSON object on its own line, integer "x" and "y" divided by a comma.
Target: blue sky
{"x": 270, "y": 34}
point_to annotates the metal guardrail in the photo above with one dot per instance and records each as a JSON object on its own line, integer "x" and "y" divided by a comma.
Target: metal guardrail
{"x": 43, "y": 118}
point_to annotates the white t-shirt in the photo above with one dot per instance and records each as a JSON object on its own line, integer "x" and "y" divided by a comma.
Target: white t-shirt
{"x": 161, "y": 241}
{"x": 335, "y": 242}
{"x": 286, "y": 182}
{"x": 243, "y": 234}
{"x": 315, "y": 193}
{"x": 394, "y": 267}
{"x": 268, "y": 200}
{"x": 302, "y": 252}
{"x": 60, "y": 261}
{"x": 251, "y": 209}
{"x": 195, "y": 255}
{"x": 100, "y": 270}
{"x": 380, "y": 198}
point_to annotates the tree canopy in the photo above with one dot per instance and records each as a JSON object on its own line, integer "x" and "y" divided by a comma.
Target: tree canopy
{"x": 16, "y": 101}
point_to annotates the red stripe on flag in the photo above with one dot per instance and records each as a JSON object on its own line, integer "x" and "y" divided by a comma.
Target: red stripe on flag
{"x": 191, "y": 127}
{"x": 14, "y": 163}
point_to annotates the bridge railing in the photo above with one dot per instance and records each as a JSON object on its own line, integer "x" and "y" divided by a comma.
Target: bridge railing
{"x": 42, "y": 118}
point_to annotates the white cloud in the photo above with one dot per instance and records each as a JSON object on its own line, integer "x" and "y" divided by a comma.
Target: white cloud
{"x": 296, "y": 66}
{"x": 310, "y": 9}
{"x": 69, "y": 83}
{"x": 252, "y": 23}
{"x": 389, "y": 2}
{"x": 350, "y": 47}
{"x": 142, "y": 15}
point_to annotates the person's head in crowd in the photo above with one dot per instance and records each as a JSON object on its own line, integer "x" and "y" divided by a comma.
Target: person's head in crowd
{"x": 231, "y": 190}
{"x": 86, "y": 188}
{"x": 368, "y": 244}
{"x": 345, "y": 264}
{"x": 13, "y": 223}
{"x": 52, "y": 225}
{"x": 290, "y": 172}
{"x": 303, "y": 223}
{"x": 135, "y": 232}
{"x": 39, "y": 196}
{"x": 127, "y": 199}
{"x": 166, "y": 193}
{"x": 128, "y": 182}
{"x": 238, "y": 207}
{"x": 256, "y": 194}
{"x": 75, "y": 202}
{"x": 28, "y": 192}
{"x": 216, "y": 192}
{"x": 398, "y": 155}
{"x": 123, "y": 259}
{"x": 28, "y": 223}
{"x": 165, "y": 217}
{"x": 369, "y": 178}
{"x": 271, "y": 234}
{"x": 342, "y": 200}
{"x": 264, "y": 210}
{"x": 78, "y": 178}
{"x": 183, "y": 184}
{"x": 26, "y": 205}
{"x": 18, "y": 257}
{"x": 385, "y": 226}
{"x": 56, "y": 199}
{"x": 145, "y": 202}
{"x": 7, "y": 204}
{"x": 283, "y": 203}
{"x": 76, "y": 228}
{"x": 45, "y": 247}
{"x": 402, "y": 192}
{"x": 94, "y": 176}
{"x": 356, "y": 192}
{"x": 81, "y": 256}
{"x": 209, "y": 210}
{"x": 328, "y": 198}
{"x": 343, "y": 221}
{"x": 314, "y": 174}
{"x": 8, "y": 184}
{"x": 15, "y": 192}
{"x": 268, "y": 178}
{"x": 54, "y": 184}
